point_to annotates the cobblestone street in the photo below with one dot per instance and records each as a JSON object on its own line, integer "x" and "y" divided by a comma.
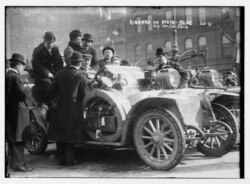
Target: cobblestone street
{"x": 126, "y": 164}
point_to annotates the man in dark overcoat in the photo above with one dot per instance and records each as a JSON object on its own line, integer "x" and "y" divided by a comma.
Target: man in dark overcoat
{"x": 15, "y": 93}
{"x": 75, "y": 44}
{"x": 46, "y": 61}
{"x": 87, "y": 41}
{"x": 66, "y": 126}
{"x": 163, "y": 61}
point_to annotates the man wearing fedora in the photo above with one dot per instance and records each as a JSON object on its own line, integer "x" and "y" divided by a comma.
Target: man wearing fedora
{"x": 163, "y": 61}
{"x": 87, "y": 41}
{"x": 75, "y": 44}
{"x": 15, "y": 93}
{"x": 46, "y": 61}
{"x": 66, "y": 127}
{"x": 108, "y": 53}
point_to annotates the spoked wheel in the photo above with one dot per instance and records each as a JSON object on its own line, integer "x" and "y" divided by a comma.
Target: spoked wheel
{"x": 159, "y": 139}
{"x": 37, "y": 139}
{"x": 221, "y": 136}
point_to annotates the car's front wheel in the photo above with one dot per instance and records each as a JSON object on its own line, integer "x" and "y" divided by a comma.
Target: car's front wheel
{"x": 159, "y": 139}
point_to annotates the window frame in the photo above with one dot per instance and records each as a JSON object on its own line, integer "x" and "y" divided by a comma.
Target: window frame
{"x": 201, "y": 46}
{"x": 226, "y": 45}
{"x": 136, "y": 51}
{"x": 186, "y": 43}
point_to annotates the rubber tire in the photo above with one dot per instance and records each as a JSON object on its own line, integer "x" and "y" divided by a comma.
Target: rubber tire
{"x": 121, "y": 109}
{"x": 43, "y": 141}
{"x": 228, "y": 146}
{"x": 179, "y": 151}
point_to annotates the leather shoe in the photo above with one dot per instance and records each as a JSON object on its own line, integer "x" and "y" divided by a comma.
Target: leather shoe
{"x": 22, "y": 168}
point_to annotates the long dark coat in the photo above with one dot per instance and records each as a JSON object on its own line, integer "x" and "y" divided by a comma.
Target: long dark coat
{"x": 66, "y": 124}
{"x": 15, "y": 93}
{"x": 44, "y": 62}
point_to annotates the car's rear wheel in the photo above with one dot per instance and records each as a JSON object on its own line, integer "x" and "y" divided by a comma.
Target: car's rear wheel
{"x": 159, "y": 139}
{"x": 36, "y": 137}
{"x": 222, "y": 135}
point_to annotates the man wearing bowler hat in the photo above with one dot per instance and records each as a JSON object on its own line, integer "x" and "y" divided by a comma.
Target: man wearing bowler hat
{"x": 108, "y": 53}
{"x": 46, "y": 61}
{"x": 66, "y": 127}
{"x": 87, "y": 41}
{"x": 15, "y": 93}
{"x": 75, "y": 44}
{"x": 163, "y": 61}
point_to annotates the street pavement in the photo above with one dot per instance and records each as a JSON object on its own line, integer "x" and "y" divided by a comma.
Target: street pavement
{"x": 103, "y": 163}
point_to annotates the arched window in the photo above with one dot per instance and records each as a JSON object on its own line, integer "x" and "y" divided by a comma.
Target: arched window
{"x": 189, "y": 14}
{"x": 150, "y": 25}
{"x": 138, "y": 52}
{"x": 225, "y": 13}
{"x": 188, "y": 44}
{"x": 138, "y": 27}
{"x": 202, "y": 14}
{"x": 149, "y": 50}
{"x": 202, "y": 43}
{"x": 237, "y": 38}
{"x": 168, "y": 15}
{"x": 226, "y": 46}
{"x": 168, "y": 46}
{"x": 237, "y": 11}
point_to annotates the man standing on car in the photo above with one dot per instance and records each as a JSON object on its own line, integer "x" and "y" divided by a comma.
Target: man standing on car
{"x": 87, "y": 41}
{"x": 163, "y": 61}
{"x": 15, "y": 93}
{"x": 66, "y": 125}
{"x": 75, "y": 44}
{"x": 46, "y": 61}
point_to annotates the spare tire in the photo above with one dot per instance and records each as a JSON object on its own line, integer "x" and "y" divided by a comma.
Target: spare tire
{"x": 118, "y": 107}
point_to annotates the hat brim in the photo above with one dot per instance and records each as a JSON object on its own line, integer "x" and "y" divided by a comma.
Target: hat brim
{"x": 78, "y": 60}
{"x": 163, "y": 53}
{"x": 87, "y": 40}
{"x": 108, "y": 49}
{"x": 18, "y": 61}
{"x": 52, "y": 40}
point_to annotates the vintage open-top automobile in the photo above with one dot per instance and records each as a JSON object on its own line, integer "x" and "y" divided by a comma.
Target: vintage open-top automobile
{"x": 146, "y": 111}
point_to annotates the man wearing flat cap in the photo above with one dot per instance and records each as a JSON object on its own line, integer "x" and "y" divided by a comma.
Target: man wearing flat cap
{"x": 15, "y": 93}
{"x": 46, "y": 61}
{"x": 163, "y": 61}
{"x": 66, "y": 127}
{"x": 86, "y": 68}
{"x": 75, "y": 44}
{"x": 87, "y": 41}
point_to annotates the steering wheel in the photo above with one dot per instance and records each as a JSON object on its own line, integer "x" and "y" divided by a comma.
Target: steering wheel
{"x": 165, "y": 68}
{"x": 96, "y": 78}
{"x": 194, "y": 53}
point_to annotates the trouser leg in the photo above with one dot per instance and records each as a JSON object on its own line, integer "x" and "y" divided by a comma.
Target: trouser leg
{"x": 69, "y": 153}
{"x": 9, "y": 155}
{"x": 60, "y": 147}
{"x": 17, "y": 154}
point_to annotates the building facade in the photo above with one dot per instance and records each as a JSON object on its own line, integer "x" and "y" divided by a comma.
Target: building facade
{"x": 134, "y": 32}
{"x": 214, "y": 30}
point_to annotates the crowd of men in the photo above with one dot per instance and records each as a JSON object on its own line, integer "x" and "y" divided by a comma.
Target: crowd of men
{"x": 66, "y": 81}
